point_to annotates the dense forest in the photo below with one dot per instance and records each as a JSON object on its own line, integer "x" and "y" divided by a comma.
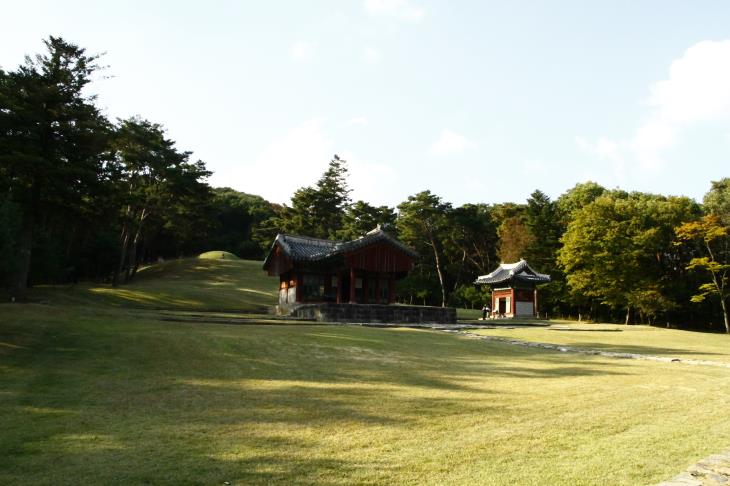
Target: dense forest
{"x": 84, "y": 197}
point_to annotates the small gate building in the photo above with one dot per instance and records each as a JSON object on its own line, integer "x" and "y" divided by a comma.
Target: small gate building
{"x": 514, "y": 289}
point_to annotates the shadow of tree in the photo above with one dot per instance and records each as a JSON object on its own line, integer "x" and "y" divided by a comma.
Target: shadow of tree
{"x": 140, "y": 402}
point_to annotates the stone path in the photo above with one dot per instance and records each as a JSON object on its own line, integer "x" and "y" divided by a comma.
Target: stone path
{"x": 711, "y": 471}
{"x": 596, "y": 352}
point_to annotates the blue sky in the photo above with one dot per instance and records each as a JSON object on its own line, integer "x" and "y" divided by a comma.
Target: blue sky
{"x": 477, "y": 101}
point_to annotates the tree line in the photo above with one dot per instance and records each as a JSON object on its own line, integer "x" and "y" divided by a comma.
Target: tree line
{"x": 613, "y": 255}
{"x": 83, "y": 197}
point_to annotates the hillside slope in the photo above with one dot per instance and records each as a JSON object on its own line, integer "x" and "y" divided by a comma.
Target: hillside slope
{"x": 192, "y": 283}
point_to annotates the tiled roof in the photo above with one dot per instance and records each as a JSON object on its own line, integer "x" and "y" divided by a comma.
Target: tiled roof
{"x": 509, "y": 271}
{"x": 305, "y": 248}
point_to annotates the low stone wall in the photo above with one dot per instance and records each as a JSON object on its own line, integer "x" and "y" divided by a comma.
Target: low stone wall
{"x": 405, "y": 314}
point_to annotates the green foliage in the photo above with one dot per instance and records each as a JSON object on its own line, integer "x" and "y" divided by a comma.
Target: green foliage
{"x": 319, "y": 211}
{"x": 621, "y": 244}
{"x": 235, "y": 217}
{"x": 159, "y": 189}
{"x": 53, "y": 142}
{"x": 717, "y": 200}
{"x": 423, "y": 224}
{"x": 360, "y": 217}
{"x": 576, "y": 198}
{"x": 471, "y": 296}
{"x": 514, "y": 237}
{"x": 472, "y": 239}
{"x": 713, "y": 241}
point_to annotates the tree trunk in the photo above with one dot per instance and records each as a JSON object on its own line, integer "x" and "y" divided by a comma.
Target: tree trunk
{"x": 724, "y": 315}
{"x": 628, "y": 315}
{"x": 133, "y": 264}
{"x": 19, "y": 284}
{"x": 438, "y": 271}
{"x": 25, "y": 245}
{"x": 122, "y": 256}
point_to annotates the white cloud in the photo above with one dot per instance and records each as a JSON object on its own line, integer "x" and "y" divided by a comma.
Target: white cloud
{"x": 296, "y": 159}
{"x": 399, "y": 9}
{"x": 697, "y": 90}
{"x": 299, "y": 157}
{"x": 612, "y": 151}
{"x": 370, "y": 181}
{"x": 451, "y": 143}
{"x": 371, "y": 55}
{"x": 357, "y": 121}
{"x": 604, "y": 148}
{"x": 302, "y": 51}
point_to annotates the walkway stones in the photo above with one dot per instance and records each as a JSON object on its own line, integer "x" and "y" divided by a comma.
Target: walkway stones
{"x": 711, "y": 471}
{"x": 596, "y": 352}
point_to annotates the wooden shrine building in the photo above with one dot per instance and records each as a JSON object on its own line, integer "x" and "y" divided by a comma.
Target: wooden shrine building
{"x": 346, "y": 281}
{"x": 361, "y": 271}
{"x": 514, "y": 289}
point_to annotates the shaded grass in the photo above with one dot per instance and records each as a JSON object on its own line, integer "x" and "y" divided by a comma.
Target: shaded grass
{"x": 96, "y": 396}
{"x": 197, "y": 284}
{"x": 627, "y": 339}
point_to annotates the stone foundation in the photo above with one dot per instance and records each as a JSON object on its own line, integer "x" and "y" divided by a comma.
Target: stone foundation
{"x": 405, "y": 314}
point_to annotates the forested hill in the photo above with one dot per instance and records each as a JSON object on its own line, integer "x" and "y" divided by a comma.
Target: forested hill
{"x": 83, "y": 198}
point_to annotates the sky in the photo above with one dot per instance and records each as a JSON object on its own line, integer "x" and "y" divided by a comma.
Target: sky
{"x": 477, "y": 101}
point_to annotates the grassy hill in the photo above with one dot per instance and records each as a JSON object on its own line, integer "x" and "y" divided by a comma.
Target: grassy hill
{"x": 218, "y": 255}
{"x": 191, "y": 284}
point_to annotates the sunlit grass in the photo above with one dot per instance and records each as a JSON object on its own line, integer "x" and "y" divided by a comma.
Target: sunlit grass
{"x": 110, "y": 396}
{"x": 627, "y": 339}
{"x": 202, "y": 284}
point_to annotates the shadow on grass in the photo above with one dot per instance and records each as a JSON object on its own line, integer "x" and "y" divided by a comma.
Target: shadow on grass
{"x": 144, "y": 403}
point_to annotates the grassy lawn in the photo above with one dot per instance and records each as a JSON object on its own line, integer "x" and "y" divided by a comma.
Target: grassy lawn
{"x": 628, "y": 339}
{"x": 191, "y": 283}
{"x": 98, "y": 396}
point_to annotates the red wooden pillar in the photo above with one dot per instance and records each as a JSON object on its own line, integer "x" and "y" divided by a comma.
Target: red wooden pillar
{"x": 391, "y": 289}
{"x": 352, "y": 285}
{"x": 377, "y": 288}
{"x": 513, "y": 302}
{"x": 339, "y": 287}
{"x": 365, "y": 285}
{"x": 534, "y": 305}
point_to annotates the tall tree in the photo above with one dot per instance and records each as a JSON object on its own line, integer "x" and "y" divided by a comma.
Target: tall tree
{"x": 319, "y": 210}
{"x": 717, "y": 200}
{"x": 471, "y": 242}
{"x": 52, "y": 140}
{"x": 542, "y": 219}
{"x": 236, "y": 215}
{"x": 422, "y": 223}
{"x": 617, "y": 247}
{"x": 361, "y": 217}
{"x": 156, "y": 180}
{"x": 714, "y": 243}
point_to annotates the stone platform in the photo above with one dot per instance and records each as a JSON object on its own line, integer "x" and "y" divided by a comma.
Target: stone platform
{"x": 376, "y": 313}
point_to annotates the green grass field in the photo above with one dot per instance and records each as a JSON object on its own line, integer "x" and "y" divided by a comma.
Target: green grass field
{"x": 626, "y": 339}
{"x": 95, "y": 387}
{"x": 192, "y": 283}
{"x": 98, "y": 397}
